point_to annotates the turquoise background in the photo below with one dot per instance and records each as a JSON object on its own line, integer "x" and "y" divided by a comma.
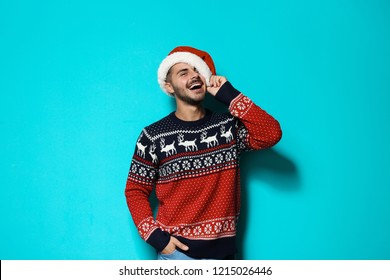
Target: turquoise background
{"x": 78, "y": 83}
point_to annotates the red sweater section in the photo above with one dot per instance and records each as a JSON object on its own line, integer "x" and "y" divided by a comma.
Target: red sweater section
{"x": 195, "y": 212}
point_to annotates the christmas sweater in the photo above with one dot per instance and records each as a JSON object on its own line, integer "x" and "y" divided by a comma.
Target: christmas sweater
{"x": 194, "y": 168}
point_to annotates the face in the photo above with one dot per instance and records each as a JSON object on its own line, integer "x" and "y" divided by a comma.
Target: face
{"x": 186, "y": 84}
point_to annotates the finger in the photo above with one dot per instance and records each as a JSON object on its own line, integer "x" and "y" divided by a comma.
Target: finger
{"x": 216, "y": 82}
{"x": 179, "y": 244}
{"x": 212, "y": 81}
{"x": 219, "y": 82}
{"x": 169, "y": 248}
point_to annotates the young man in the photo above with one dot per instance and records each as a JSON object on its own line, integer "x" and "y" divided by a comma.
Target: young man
{"x": 191, "y": 157}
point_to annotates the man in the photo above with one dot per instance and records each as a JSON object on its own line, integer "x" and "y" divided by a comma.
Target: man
{"x": 191, "y": 157}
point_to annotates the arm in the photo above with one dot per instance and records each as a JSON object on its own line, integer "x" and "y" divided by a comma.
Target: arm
{"x": 139, "y": 185}
{"x": 140, "y": 181}
{"x": 261, "y": 130}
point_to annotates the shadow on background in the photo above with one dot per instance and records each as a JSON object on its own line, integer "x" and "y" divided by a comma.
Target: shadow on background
{"x": 267, "y": 166}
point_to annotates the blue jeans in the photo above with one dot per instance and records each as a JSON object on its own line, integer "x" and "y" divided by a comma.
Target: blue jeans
{"x": 175, "y": 255}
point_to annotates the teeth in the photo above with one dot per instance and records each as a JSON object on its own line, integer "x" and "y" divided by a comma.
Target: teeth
{"x": 195, "y": 85}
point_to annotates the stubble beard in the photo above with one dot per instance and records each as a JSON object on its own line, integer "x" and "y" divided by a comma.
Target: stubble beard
{"x": 189, "y": 100}
{"x": 181, "y": 94}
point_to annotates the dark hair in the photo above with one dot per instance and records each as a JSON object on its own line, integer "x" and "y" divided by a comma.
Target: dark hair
{"x": 168, "y": 77}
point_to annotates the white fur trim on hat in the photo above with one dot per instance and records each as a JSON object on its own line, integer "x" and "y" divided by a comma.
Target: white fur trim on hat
{"x": 185, "y": 57}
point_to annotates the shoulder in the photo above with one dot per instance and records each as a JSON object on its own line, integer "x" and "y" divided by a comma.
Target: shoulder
{"x": 222, "y": 118}
{"x": 158, "y": 128}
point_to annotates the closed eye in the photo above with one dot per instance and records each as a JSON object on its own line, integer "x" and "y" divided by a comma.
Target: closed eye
{"x": 182, "y": 72}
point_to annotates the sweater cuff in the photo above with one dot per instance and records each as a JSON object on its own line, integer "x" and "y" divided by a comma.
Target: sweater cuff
{"x": 159, "y": 239}
{"x": 227, "y": 93}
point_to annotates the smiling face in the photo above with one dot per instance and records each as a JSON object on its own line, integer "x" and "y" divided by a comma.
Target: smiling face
{"x": 186, "y": 84}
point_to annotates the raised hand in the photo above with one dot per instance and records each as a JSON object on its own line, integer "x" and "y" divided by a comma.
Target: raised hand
{"x": 216, "y": 83}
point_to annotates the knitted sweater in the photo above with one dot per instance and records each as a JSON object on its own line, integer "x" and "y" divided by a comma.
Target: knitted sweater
{"x": 194, "y": 167}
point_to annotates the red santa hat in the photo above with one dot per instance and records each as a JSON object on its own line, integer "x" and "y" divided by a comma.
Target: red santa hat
{"x": 201, "y": 60}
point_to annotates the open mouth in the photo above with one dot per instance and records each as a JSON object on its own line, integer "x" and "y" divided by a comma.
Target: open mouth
{"x": 195, "y": 85}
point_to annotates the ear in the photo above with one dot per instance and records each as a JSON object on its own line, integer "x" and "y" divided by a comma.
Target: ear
{"x": 168, "y": 87}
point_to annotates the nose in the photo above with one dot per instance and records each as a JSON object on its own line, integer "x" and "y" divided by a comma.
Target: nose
{"x": 194, "y": 74}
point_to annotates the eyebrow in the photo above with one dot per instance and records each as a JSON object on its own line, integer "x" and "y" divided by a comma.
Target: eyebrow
{"x": 182, "y": 70}
{"x": 186, "y": 70}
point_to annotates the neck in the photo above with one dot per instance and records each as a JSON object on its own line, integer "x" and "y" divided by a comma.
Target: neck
{"x": 190, "y": 112}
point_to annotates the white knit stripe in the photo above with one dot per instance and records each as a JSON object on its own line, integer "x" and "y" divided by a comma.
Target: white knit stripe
{"x": 205, "y": 230}
{"x": 199, "y": 223}
{"x": 195, "y": 175}
{"x": 197, "y": 155}
{"x": 175, "y": 132}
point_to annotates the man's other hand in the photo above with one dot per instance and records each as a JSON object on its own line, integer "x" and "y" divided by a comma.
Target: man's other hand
{"x": 172, "y": 245}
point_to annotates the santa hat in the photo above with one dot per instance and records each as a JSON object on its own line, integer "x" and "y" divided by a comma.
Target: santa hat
{"x": 201, "y": 60}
